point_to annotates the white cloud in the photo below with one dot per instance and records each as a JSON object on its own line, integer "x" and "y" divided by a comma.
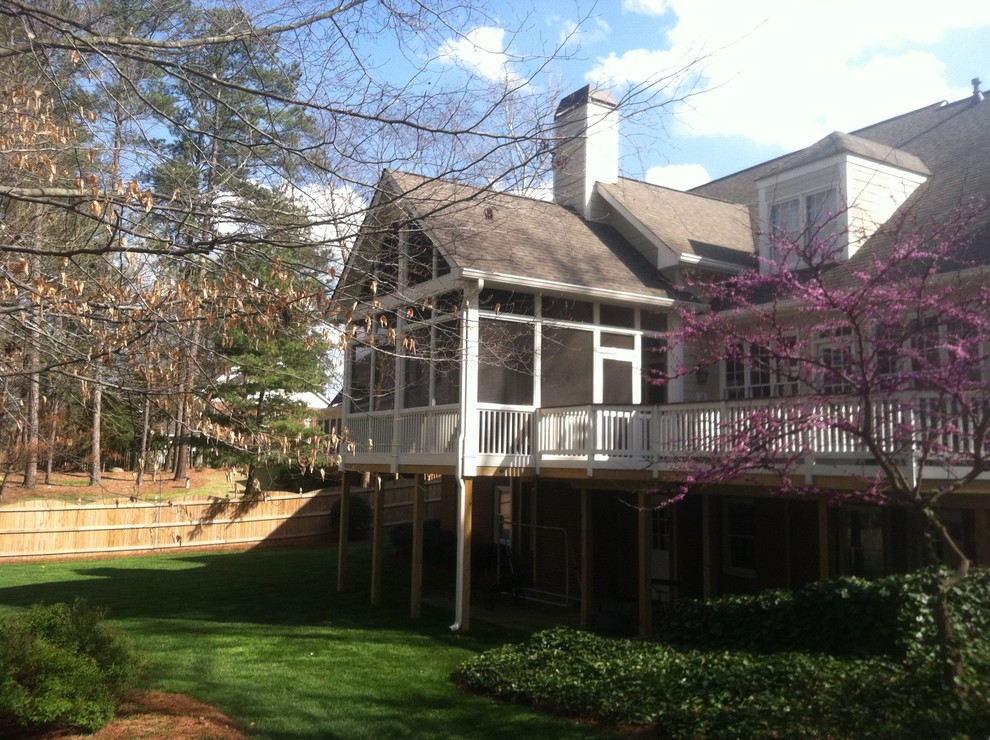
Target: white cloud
{"x": 481, "y": 50}
{"x": 646, "y": 7}
{"x": 784, "y": 73}
{"x": 591, "y": 31}
{"x": 678, "y": 176}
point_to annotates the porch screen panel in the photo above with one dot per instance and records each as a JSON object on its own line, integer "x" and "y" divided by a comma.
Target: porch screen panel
{"x": 447, "y": 366}
{"x": 361, "y": 360}
{"x": 416, "y": 365}
{"x": 567, "y": 367}
{"x": 505, "y": 371}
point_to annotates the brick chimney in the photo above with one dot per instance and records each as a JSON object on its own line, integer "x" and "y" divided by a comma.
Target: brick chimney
{"x": 587, "y": 147}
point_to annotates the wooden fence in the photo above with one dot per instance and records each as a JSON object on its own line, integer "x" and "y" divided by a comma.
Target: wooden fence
{"x": 38, "y": 529}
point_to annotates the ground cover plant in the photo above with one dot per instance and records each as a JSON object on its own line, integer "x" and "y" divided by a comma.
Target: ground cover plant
{"x": 264, "y": 636}
{"x": 846, "y": 658}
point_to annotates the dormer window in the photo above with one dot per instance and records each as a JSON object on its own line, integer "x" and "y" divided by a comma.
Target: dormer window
{"x": 805, "y": 220}
{"x": 835, "y": 193}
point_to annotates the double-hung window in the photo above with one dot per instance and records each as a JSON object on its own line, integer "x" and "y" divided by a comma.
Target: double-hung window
{"x": 804, "y": 220}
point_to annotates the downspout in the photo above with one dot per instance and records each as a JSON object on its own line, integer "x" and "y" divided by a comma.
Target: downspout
{"x": 459, "y": 472}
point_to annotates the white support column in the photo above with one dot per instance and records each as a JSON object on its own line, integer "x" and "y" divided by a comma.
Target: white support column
{"x": 675, "y": 359}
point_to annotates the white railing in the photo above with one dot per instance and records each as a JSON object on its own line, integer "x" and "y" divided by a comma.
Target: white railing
{"x": 643, "y": 437}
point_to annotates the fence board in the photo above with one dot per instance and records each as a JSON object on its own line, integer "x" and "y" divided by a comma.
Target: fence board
{"x": 51, "y": 529}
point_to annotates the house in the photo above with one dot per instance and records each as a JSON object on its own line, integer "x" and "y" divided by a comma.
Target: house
{"x": 505, "y": 343}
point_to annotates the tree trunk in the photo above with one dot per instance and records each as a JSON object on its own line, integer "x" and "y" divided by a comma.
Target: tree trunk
{"x": 185, "y": 409}
{"x": 143, "y": 454}
{"x": 96, "y": 458}
{"x": 52, "y": 432}
{"x": 950, "y": 654}
{"x": 32, "y": 437}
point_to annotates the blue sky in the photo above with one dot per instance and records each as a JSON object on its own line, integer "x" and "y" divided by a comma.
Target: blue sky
{"x": 774, "y": 75}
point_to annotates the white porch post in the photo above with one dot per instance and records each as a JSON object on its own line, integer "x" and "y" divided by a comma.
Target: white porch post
{"x": 675, "y": 359}
{"x": 467, "y": 453}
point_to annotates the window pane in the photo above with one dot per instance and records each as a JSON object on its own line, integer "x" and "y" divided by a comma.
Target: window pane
{"x": 740, "y": 534}
{"x": 653, "y": 358}
{"x": 785, "y": 220}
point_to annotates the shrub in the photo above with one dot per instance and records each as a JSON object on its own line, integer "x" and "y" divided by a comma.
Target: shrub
{"x": 843, "y": 658}
{"x": 846, "y": 616}
{"x": 62, "y": 665}
{"x": 696, "y": 693}
{"x": 360, "y": 517}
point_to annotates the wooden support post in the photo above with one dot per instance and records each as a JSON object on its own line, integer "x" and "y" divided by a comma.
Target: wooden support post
{"x": 823, "y": 557}
{"x": 377, "y": 535}
{"x": 587, "y": 569}
{"x": 707, "y": 587}
{"x": 982, "y": 553}
{"x": 466, "y": 582}
{"x": 345, "y": 501}
{"x": 643, "y": 514}
{"x": 416, "y": 598}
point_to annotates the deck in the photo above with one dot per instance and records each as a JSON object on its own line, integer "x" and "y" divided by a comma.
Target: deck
{"x": 647, "y": 440}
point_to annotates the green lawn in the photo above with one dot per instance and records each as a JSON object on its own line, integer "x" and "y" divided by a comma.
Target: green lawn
{"x": 265, "y": 636}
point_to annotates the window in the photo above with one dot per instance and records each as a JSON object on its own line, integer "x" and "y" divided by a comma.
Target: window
{"x": 835, "y": 353}
{"x": 785, "y": 220}
{"x": 756, "y": 374}
{"x": 804, "y": 220}
{"x": 863, "y": 534}
{"x": 820, "y": 210}
{"x": 739, "y": 544}
{"x": 419, "y": 258}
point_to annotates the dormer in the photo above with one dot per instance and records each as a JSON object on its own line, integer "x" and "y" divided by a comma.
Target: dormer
{"x": 841, "y": 189}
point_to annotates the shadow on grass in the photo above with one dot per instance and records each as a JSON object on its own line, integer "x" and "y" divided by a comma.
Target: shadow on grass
{"x": 289, "y": 586}
{"x": 265, "y": 636}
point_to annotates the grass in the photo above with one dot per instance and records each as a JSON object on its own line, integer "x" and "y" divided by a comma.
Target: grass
{"x": 265, "y": 636}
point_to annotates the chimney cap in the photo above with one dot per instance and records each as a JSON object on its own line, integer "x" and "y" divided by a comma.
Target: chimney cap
{"x": 588, "y": 94}
{"x": 977, "y": 95}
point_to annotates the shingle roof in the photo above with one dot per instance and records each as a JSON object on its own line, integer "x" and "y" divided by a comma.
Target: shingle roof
{"x": 512, "y": 236}
{"x": 840, "y": 143}
{"x": 688, "y": 224}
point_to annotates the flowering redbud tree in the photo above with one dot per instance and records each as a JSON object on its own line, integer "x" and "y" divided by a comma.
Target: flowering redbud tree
{"x": 875, "y": 365}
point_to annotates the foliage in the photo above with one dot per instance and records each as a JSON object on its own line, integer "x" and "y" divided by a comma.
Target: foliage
{"x": 828, "y": 617}
{"x": 883, "y": 353}
{"x": 62, "y": 665}
{"x": 846, "y": 658}
{"x": 360, "y": 516}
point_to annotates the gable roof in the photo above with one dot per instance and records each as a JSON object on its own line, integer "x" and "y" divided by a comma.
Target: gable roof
{"x": 840, "y": 143}
{"x": 948, "y": 141}
{"x": 685, "y": 223}
{"x": 521, "y": 240}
